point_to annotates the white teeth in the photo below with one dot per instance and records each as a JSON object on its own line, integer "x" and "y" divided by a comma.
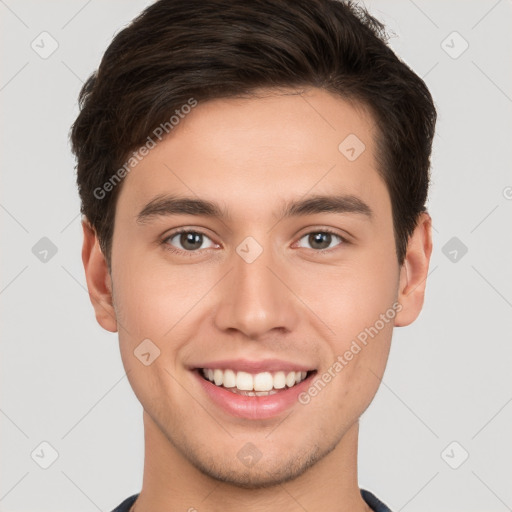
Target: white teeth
{"x": 290, "y": 379}
{"x": 279, "y": 380}
{"x": 265, "y": 393}
{"x": 260, "y": 384}
{"x": 263, "y": 381}
{"x": 218, "y": 377}
{"x": 244, "y": 381}
{"x": 229, "y": 379}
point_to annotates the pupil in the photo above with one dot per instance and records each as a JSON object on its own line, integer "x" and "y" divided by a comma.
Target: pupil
{"x": 323, "y": 239}
{"x": 191, "y": 240}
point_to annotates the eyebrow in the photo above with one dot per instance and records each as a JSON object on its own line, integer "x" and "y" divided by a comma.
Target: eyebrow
{"x": 164, "y": 205}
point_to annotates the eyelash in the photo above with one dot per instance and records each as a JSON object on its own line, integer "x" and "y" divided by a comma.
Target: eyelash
{"x": 172, "y": 249}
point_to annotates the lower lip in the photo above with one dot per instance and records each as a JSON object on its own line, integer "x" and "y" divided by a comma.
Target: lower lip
{"x": 253, "y": 407}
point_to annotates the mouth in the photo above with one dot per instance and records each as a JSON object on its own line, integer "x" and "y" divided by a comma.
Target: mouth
{"x": 254, "y": 391}
{"x": 259, "y": 384}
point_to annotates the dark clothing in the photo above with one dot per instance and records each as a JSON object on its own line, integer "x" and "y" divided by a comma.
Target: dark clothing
{"x": 372, "y": 501}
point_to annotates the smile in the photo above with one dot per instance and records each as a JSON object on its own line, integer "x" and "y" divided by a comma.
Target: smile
{"x": 259, "y": 384}
{"x": 253, "y": 390}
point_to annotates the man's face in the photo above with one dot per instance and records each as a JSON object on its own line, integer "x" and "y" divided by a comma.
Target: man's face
{"x": 254, "y": 291}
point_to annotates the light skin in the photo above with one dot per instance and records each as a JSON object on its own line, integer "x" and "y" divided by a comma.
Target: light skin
{"x": 293, "y": 302}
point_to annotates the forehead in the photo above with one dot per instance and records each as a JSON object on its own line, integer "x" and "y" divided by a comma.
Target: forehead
{"x": 261, "y": 150}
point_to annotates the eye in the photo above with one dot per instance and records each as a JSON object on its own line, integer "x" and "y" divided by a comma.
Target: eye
{"x": 321, "y": 240}
{"x": 187, "y": 240}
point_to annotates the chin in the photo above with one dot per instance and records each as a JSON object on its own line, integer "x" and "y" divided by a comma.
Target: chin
{"x": 264, "y": 473}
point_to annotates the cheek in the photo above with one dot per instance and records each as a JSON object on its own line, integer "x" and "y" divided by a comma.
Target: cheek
{"x": 347, "y": 384}
{"x": 357, "y": 305}
{"x": 153, "y": 295}
{"x": 350, "y": 297}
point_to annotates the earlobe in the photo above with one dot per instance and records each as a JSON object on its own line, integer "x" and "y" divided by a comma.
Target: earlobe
{"x": 98, "y": 279}
{"x": 414, "y": 271}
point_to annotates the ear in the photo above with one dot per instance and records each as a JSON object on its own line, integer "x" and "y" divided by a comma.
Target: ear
{"x": 98, "y": 279}
{"x": 414, "y": 271}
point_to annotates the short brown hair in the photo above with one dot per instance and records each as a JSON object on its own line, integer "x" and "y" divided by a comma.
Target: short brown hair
{"x": 207, "y": 49}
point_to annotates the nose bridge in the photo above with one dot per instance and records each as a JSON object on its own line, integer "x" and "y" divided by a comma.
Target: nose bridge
{"x": 255, "y": 300}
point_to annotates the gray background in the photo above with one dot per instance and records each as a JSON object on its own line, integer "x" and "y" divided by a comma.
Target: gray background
{"x": 448, "y": 378}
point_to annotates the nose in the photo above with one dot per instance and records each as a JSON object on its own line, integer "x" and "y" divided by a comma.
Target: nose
{"x": 254, "y": 298}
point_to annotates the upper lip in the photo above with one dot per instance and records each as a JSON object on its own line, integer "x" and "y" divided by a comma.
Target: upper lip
{"x": 246, "y": 365}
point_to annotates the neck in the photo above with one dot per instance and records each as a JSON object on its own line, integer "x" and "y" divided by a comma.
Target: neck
{"x": 171, "y": 482}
